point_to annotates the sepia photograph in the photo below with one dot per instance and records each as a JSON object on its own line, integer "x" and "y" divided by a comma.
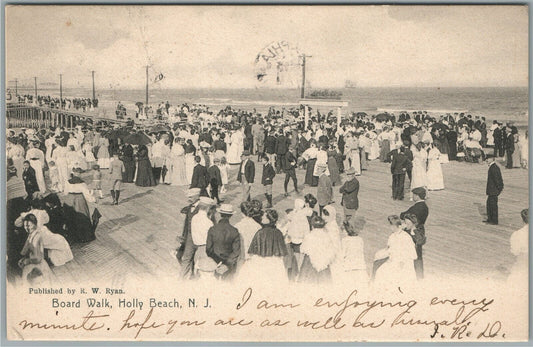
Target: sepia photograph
{"x": 267, "y": 173}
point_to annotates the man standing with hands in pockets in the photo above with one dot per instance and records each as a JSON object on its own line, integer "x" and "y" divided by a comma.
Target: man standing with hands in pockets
{"x": 246, "y": 175}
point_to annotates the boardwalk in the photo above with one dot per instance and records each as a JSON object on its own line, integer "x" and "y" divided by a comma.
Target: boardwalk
{"x": 135, "y": 238}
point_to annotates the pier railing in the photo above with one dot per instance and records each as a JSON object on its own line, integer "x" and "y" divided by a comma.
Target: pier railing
{"x": 31, "y": 116}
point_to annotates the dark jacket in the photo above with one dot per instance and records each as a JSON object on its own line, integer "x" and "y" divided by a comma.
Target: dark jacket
{"x": 215, "y": 179}
{"x": 224, "y": 244}
{"x": 509, "y": 142}
{"x": 420, "y": 210}
{"x": 282, "y": 145}
{"x": 349, "y": 191}
{"x": 200, "y": 178}
{"x": 220, "y": 146}
{"x": 249, "y": 172}
{"x": 30, "y": 181}
{"x": 268, "y": 174}
{"x": 399, "y": 162}
{"x": 497, "y": 135}
{"x": 303, "y": 145}
{"x": 270, "y": 144}
{"x": 289, "y": 162}
{"x": 494, "y": 180}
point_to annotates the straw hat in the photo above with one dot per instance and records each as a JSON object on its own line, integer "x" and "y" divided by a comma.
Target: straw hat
{"x": 226, "y": 209}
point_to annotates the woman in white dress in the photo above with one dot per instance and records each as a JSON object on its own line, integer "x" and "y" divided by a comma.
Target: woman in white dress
{"x": 420, "y": 156}
{"x": 524, "y": 148}
{"x": 190, "y": 153}
{"x": 236, "y": 147}
{"x": 435, "y": 180}
{"x": 399, "y": 269}
{"x": 87, "y": 149}
{"x": 176, "y": 169}
{"x": 103, "y": 153}
{"x": 374, "y": 147}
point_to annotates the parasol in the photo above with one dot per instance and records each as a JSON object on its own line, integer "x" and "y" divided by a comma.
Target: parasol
{"x": 120, "y": 133}
{"x": 159, "y": 128}
{"x": 139, "y": 138}
{"x": 382, "y": 117}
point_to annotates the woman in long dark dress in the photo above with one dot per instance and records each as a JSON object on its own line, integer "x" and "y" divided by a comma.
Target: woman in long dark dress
{"x": 77, "y": 215}
{"x": 333, "y": 166}
{"x": 57, "y": 221}
{"x": 30, "y": 180}
{"x": 145, "y": 176}
{"x": 129, "y": 164}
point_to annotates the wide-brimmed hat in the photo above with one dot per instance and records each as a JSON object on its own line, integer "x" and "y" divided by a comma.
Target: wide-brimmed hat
{"x": 350, "y": 171}
{"x": 226, "y": 209}
{"x": 246, "y": 152}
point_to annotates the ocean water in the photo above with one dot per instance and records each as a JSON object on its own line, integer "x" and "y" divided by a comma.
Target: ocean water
{"x": 506, "y": 104}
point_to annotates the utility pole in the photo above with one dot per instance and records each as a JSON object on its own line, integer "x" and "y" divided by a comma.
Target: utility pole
{"x": 303, "y": 56}
{"x": 146, "y": 104}
{"x": 60, "y": 90}
{"x": 35, "y": 80}
{"x": 94, "y": 95}
{"x": 16, "y": 87}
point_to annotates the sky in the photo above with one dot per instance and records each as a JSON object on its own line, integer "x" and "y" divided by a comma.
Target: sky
{"x": 217, "y": 46}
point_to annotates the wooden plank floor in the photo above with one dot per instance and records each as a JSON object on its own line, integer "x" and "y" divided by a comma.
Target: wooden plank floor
{"x": 135, "y": 238}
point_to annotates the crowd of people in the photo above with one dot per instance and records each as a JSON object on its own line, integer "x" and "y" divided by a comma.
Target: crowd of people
{"x": 47, "y": 196}
{"x": 78, "y": 104}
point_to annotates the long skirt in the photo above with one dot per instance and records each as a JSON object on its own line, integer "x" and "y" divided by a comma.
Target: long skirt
{"x": 364, "y": 162}
{"x": 129, "y": 172}
{"x": 309, "y": 274}
{"x": 334, "y": 174}
{"x": 384, "y": 151}
{"x": 36, "y": 165}
{"x": 145, "y": 175}
{"x": 177, "y": 173}
{"x": 309, "y": 178}
{"x": 78, "y": 219}
{"x": 516, "y": 158}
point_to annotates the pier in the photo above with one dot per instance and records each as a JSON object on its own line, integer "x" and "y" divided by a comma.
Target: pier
{"x": 32, "y": 116}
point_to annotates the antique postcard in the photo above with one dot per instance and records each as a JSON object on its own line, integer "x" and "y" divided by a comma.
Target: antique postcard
{"x": 267, "y": 173}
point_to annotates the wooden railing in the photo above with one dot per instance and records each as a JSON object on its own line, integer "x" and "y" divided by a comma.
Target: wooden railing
{"x": 31, "y": 116}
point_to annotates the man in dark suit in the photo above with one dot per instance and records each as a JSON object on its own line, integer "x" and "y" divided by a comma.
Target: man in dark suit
{"x": 509, "y": 147}
{"x": 494, "y": 188}
{"x": 200, "y": 178}
{"x": 399, "y": 166}
{"x": 246, "y": 175}
{"x": 186, "y": 249}
{"x": 350, "y": 191}
{"x": 270, "y": 145}
{"x": 289, "y": 167}
{"x": 421, "y": 211}
{"x": 498, "y": 141}
{"x": 224, "y": 244}
{"x": 215, "y": 179}
{"x": 267, "y": 179}
{"x": 282, "y": 147}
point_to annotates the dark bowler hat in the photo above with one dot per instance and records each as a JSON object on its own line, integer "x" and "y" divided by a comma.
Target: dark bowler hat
{"x": 246, "y": 152}
{"x": 420, "y": 191}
